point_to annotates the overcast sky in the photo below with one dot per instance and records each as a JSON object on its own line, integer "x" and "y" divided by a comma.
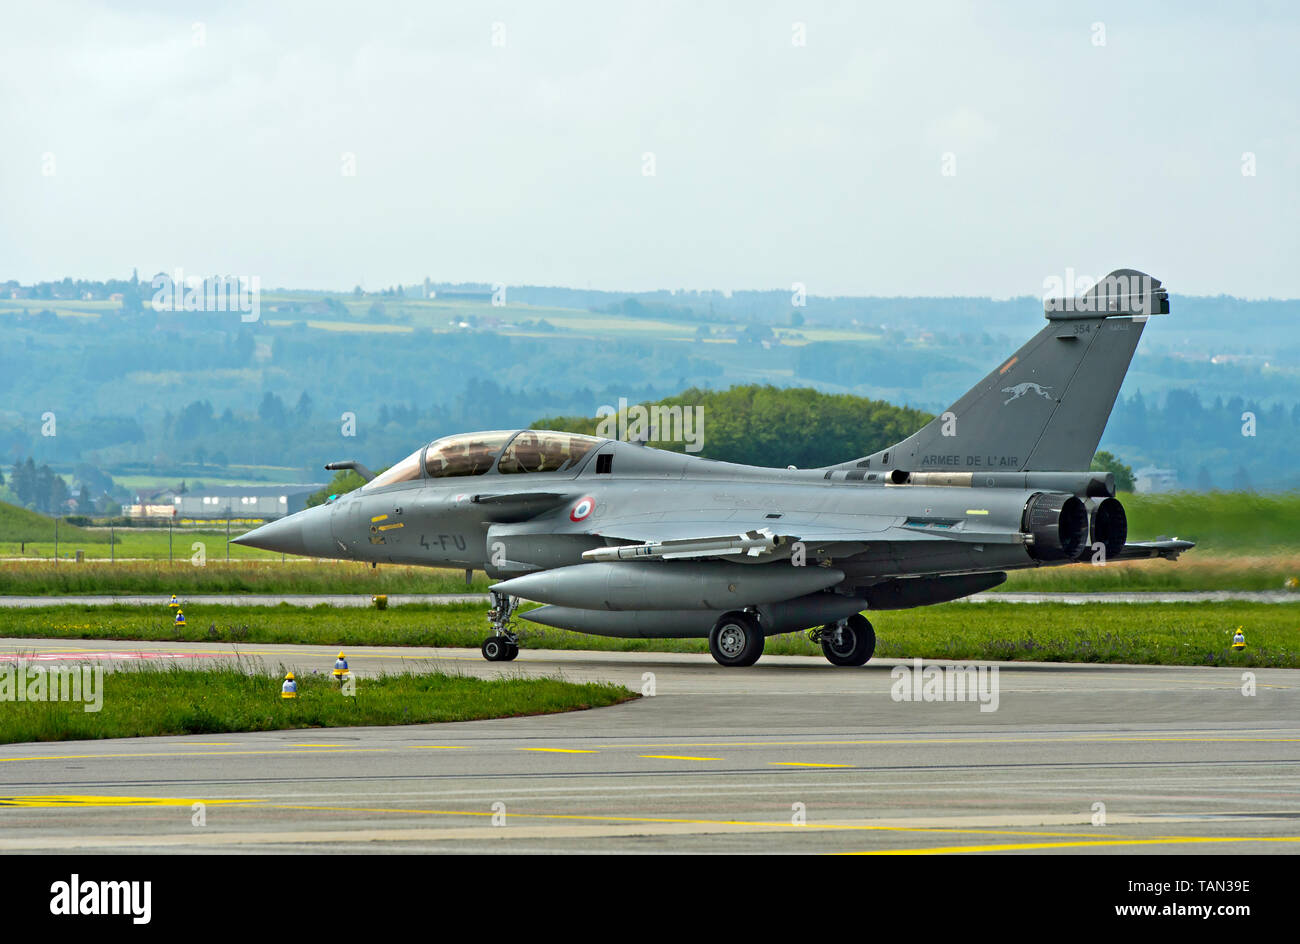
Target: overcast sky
{"x": 507, "y": 142}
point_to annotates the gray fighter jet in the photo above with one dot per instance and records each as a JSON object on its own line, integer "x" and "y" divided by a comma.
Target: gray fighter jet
{"x": 618, "y": 539}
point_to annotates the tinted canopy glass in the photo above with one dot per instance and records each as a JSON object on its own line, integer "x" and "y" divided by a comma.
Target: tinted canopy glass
{"x": 465, "y": 454}
{"x": 543, "y": 451}
{"x": 404, "y": 471}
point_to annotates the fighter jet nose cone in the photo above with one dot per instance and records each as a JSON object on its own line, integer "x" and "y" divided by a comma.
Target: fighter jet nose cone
{"x": 306, "y": 533}
{"x": 282, "y": 537}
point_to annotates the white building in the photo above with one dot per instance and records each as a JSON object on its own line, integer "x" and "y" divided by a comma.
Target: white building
{"x": 1151, "y": 479}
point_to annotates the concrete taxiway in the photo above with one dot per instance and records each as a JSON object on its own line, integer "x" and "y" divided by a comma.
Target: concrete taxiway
{"x": 790, "y": 755}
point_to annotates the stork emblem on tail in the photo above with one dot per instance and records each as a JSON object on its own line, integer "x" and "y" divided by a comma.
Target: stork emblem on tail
{"x": 1021, "y": 389}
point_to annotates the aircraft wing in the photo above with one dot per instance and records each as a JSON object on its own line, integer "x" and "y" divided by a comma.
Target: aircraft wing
{"x": 1168, "y": 549}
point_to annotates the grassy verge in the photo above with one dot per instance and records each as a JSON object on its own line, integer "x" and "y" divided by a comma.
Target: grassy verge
{"x": 1152, "y": 633}
{"x": 1195, "y": 571}
{"x": 134, "y": 543}
{"x": 32, "y": 578}
{"x": 145, "y": 701}
{"x": 1234, "y": 522}
{"x": 22, "y": 524}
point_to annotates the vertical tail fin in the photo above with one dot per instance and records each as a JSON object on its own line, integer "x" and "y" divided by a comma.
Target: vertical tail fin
{"x": 1045, "y": 408}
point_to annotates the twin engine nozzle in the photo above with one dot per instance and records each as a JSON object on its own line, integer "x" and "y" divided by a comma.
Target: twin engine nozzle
{"x": 1063, "y": 527}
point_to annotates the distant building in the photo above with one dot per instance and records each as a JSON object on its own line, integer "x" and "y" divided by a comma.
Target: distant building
{"x": 463, "y": 295}
{"x": 245, "y": 501}
{"x": 227, "y": 501}
{"x": 1151, "y": 479}
{"x": 149, "y": 510}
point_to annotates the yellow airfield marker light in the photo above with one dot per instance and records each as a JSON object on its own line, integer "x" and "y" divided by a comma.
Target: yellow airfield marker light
{"x": 341, "y": 667}
{"x": 380, "y": 600}
{"x": 290, "y": 687}
{"x": 180, "y": 617}
{"x": 174, "y": 603}
{"x": 1239, "y": 640}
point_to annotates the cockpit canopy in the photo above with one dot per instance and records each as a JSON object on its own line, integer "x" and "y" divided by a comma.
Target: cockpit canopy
{"x": 466, "y": 454}
{"x": 509, "y": 451}
{"x": 543, "y": 451}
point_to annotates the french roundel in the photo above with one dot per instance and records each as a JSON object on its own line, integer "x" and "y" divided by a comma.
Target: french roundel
{"x": 585, "y": 506}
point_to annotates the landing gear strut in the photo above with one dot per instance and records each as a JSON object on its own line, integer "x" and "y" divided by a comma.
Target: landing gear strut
{"x": 503, "y": 644}
{"x": 851, "y": 641}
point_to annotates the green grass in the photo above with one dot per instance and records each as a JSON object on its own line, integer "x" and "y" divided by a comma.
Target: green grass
{"x": 30, "y": 578}
{"x": 1193, "y": 571}
{"x": 20, "y": 524}
{"x": 1235, "y": 522}
{"x": 145, "y": 700}
{"x": 1151, "y": 633}
{"x": 134, "y": 544}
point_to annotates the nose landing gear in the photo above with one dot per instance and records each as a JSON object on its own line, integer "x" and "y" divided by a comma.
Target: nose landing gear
{"x": 851, "y": 641}
{"x": 503, "y": 644}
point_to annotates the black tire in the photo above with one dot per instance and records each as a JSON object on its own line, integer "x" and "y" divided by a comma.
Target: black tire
{"x": 858, "y": 642}
{"x": 494, "y": 649}
{"x": 512, "y": 650}
{"x": 736, "y": 640}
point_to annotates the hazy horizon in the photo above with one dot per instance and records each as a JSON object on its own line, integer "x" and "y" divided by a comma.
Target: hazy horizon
{"x": 321, "y": 147}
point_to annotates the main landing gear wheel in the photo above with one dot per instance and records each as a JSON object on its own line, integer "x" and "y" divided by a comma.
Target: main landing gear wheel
{"x": 503, "y": 644}
{"x": 851, "y": 642}
{"x": 736, "y": 639}
{"x": 499, "y": 649}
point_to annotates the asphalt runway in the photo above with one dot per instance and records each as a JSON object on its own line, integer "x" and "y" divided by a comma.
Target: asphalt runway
{"x": 791, "y": 755}
{"x": 398, "y": 599}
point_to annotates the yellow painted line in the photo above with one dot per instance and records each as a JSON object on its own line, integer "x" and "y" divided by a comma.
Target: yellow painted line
{"x": 378, "y": 518}
{"x": 796, "y": 763}
{"x": 390, "y": 527}
{"x": 977, "y": 511}
{"x": 327, "y": 749}
{"x": 438, "y": 747}
{"x": 76, "y": 800}
{"x": 1044, "y": 740}
{"x": 1025, "y": 846}
{"x": 759, "y": 824}
{"x": 559, "y": 750}
{"x": 850, "y": 743}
